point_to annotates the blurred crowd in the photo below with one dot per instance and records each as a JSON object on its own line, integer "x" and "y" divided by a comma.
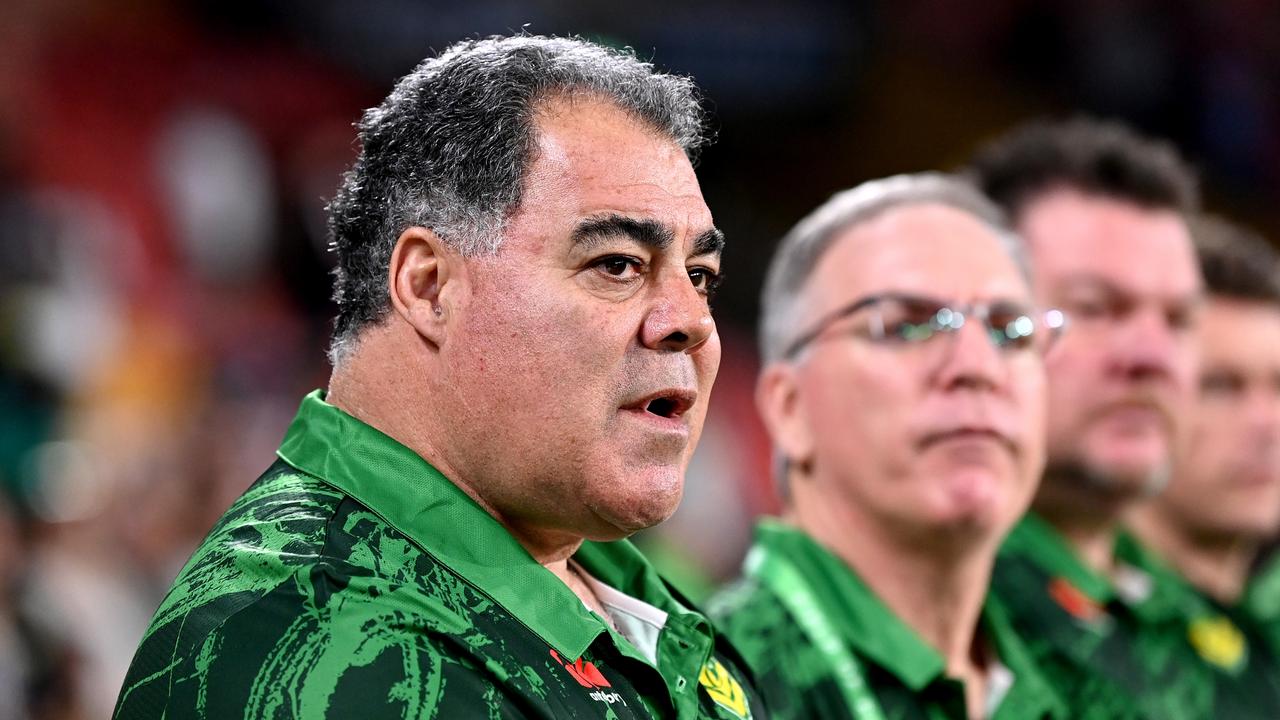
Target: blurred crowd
{"x": 164, "y": 297}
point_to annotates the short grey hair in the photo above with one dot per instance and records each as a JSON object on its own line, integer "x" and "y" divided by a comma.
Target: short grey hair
{"x": 449, "y": 149}
{"x": 800, "y": 251}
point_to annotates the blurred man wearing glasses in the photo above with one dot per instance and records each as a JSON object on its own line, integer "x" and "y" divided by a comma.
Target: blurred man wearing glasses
{"x": 1206, "y": 530}
{"x": 903, "y": 389}
{"x": 1103, "y": 212}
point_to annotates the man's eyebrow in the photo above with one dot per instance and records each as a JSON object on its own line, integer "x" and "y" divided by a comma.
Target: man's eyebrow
{"x": 1100, "y": 283}
{"x": 646, "y": 232}
{"x": 708, "y": 242}
{"x": 1088, "y": 279}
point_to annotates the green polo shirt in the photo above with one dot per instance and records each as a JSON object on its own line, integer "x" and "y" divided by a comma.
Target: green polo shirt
{"x": 1227, "y": 646}
{"x": 353, "y": 580}
{"x": 1139, "y": 645}
{"x": 813, "y": 669}
{"x": 1262, "y": 603}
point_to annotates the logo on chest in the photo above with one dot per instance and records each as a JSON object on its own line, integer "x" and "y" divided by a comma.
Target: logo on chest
{"x": 1218, "y": 641}
{"x": 588, "y": 676}
{"x": 724, "y": 689}
{"x": 1076, "y": 603}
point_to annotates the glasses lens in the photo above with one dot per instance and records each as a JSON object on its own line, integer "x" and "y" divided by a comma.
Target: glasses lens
{"x": 1011, "y": 327}
{"x": 910, "y": 320}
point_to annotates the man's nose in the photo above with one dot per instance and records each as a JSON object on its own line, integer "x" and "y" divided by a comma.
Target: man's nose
{"x": 1262, "y": 413}
{"x": 971, "y": 359}
{"x": 1146, "y": 346}
{"x": 679, "y": 319}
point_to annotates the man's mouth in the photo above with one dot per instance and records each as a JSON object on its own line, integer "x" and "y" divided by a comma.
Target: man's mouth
{"x": 968, "y": 434}
{"x": 1136, "y": 412}
{"x": 670, "y": 404}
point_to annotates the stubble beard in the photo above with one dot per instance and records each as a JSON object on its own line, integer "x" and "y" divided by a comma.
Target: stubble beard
{"x": 1096, "y": 480}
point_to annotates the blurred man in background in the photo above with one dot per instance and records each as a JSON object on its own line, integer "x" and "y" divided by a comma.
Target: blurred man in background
{"x": 1103, "y": 211}
{"x": 903, "y": 389}
{"x": 522, "y": 361}
{"x": 1223, "y": 504}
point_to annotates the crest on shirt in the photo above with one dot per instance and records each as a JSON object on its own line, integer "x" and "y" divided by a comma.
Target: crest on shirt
{"x": 1218, "y": 641}
{"x": 590, "y": 677}
{"x": 1074, "y": 601}
{"x": 724, "y": 689}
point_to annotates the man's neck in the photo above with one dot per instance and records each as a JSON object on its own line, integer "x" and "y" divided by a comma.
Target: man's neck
{"x": 1093, "y": 540}
{"x": 1088, "y": 521}
{"x": 937, "y": 592}
{"x": 577, "y": 580}
{"x": 1215, "y": 564}
{"x": 354, "y": 387}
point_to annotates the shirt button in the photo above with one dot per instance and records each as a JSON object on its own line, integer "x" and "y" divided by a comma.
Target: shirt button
{"x": 680, "y": 683}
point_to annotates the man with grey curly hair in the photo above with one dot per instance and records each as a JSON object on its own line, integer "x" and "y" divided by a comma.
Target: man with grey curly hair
{"x": 903, "y": 389}
{"x": 522, "y": 361}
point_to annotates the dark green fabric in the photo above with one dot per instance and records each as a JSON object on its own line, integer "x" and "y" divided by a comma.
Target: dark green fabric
{"x": 906, "y": 675}
{"x": 1262, "y": 603}
{"x": 1227, "y": 645}
{"x": 1120, "y": 647}
{"x": 352, "y": 580}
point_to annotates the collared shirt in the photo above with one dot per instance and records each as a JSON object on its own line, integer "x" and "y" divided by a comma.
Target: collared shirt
{"x": 353, "y": 580}
{"x": 1227, "y": 642}
{"x": 1137, "y": 645}
{"x": 905, "y": 676}
{"x": 1262, "y": 603}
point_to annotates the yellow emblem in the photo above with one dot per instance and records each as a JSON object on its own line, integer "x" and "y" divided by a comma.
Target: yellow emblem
{"x": 1218, "y": 641}
{"x": 724, "y": 689}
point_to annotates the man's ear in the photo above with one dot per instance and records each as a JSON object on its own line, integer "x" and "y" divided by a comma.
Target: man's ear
{"x": 780, "y": 404}
{"x": 421, "y": 266}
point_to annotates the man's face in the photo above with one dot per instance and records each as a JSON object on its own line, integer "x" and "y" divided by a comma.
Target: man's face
{"x": 1227, "y": 478}
{"x": 584, "y": 358}
{"x": 1120, "y": 378}
{"x": 938, "y": 435}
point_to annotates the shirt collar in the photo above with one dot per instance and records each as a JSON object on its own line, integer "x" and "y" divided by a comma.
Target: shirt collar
{"x": 1151, "y": 591}
{"x": 1036, "y": 538}
{"x": 1031, "y": 695}
{"x": 1170, "y": 596}
{"x": 870, "y": 627}
{"x": 408, "y": 493}
{"x": 621, "y": 566}
{"x": 1262, "y": 595}
{"x": 876, "y": 633}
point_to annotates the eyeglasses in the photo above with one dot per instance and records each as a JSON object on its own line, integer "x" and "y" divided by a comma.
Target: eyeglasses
{"x": 904, "y": 319}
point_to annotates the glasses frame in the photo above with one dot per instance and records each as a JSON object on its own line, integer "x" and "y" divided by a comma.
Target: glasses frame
{"x": 1052, "y": 320}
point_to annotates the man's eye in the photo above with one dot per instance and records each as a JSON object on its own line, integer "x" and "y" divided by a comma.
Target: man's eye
{"x": 619, "y": 266}
{"x": 1181, "y": 318}
{"x": 1087, "y": 308}
{"x": 1222, "y": 383}
{"x": 706, "y": 281}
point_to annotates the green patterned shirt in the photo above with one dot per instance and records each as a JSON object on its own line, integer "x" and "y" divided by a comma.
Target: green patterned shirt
{"x": 1140, "y": 645}
{"x": 902, "y": 677}
{"x": 1262, "y": 603}
{"x": 353, "y": 580}
{"x": 1227, "y": 643}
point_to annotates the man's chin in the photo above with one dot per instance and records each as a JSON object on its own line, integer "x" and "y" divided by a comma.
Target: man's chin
{"x": 1139, "y": 478}
{"x": 624, "y": 516}
{"x": 618, "y": 526}
{"x": 952, "y": 531}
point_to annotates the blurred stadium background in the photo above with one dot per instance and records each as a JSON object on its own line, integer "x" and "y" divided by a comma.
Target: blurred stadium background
{"x": 163, "y": 275}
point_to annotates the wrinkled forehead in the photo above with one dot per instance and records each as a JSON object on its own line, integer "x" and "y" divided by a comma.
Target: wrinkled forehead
{"x": 932, "y": 250}
{"x": 1137, "y": 250}
{"x": 605, "y": 158}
